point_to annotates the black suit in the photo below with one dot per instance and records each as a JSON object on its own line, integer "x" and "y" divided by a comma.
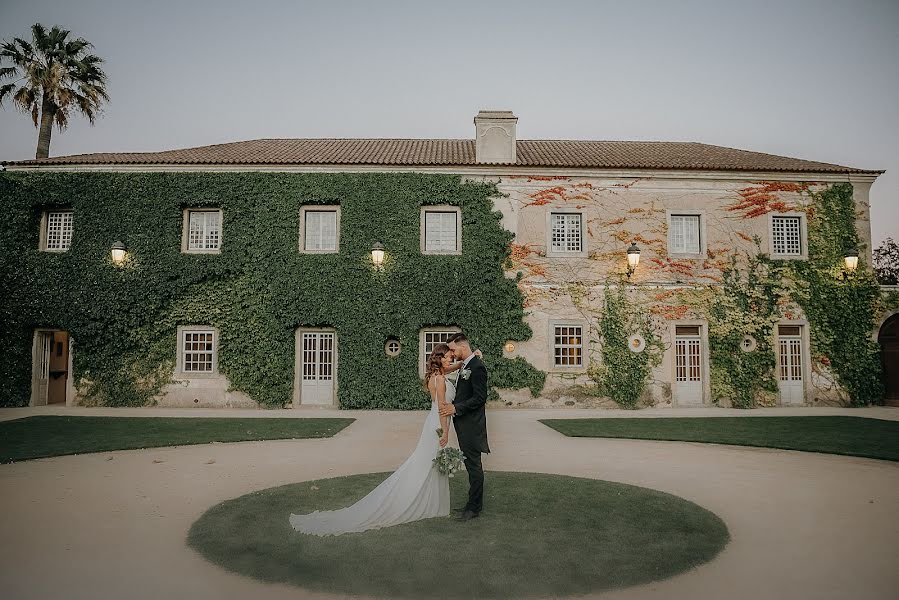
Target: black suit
{"x": 470, "y": 422}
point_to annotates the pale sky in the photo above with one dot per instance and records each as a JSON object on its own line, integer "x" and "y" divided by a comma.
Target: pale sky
{"x": 816, "y": 79}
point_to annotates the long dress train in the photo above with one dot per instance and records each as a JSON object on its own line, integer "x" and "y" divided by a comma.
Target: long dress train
{"x": 416, "y": 490}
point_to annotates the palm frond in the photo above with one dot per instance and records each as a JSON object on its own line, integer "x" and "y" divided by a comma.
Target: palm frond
{"x": 5, "y": 91}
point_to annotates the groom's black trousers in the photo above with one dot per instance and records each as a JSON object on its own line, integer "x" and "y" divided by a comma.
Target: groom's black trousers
{"x": 475, "y": 479}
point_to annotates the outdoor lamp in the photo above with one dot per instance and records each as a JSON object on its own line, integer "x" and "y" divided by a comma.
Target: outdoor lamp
{"x": 633, "y": 258}
{"x": 118, "y": 253}
{"x": 377, "y": 254}
{"x": 851, "y": 259}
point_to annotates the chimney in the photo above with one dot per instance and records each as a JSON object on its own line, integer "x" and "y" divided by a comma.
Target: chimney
{"x": 495, "y": 136}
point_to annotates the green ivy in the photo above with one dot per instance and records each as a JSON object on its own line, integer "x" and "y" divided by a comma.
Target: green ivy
{"x": 622, "y": 375}
{"x": 746, "y": 303}
{"x": 259, "y": 289}
{"x": 841, "y": 312}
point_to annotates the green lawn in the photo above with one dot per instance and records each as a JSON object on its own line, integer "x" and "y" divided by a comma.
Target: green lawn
{"x": 539, "y": 535}
{"x": 854, "y": 436}
{"x": 48, "y": 435}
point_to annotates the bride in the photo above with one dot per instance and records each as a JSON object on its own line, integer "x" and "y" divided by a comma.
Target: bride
{"x": 416, "y": 490}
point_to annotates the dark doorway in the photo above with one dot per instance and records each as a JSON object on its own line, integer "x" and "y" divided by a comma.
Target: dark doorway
{"x": 50, "y": 367}
{"x": 889, "y": 352}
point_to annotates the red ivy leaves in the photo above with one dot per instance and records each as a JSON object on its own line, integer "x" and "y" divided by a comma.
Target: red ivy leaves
{"x": 756, "y": 201}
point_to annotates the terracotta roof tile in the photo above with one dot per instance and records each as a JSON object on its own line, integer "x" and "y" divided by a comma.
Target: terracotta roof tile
{"x": 456, "y": 152}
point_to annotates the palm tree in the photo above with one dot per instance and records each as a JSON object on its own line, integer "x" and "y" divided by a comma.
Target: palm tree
{"x": 51, "y": 76}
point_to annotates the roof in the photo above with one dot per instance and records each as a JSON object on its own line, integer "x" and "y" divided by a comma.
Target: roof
{"x": 458, "y": 152}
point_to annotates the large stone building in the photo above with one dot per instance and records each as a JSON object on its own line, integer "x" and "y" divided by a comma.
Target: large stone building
{"x": 658, "y": 239}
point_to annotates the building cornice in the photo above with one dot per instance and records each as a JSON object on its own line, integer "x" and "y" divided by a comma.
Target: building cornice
{"x": 486, "y": 171}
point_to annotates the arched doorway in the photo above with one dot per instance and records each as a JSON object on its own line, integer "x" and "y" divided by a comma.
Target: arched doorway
{"x": 889, "y": 352}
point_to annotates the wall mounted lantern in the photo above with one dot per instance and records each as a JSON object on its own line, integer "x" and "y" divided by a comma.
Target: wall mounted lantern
{"x": 633, "y": 258}
{"x": 118, "y": 253}
{"x": 851, "y": 260}
{"x": 377, "y": 254}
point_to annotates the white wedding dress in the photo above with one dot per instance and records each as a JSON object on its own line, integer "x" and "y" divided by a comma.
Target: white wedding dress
{"x": 416, "y": 490}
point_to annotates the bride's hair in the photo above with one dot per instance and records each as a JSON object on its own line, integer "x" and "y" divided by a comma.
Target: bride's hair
{"x": 435, "y": 362}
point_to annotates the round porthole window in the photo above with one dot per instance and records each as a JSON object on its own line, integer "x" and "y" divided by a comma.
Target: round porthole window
{"x": 636, "y": 343}
{"x": 392, "y": 347}
{"x": 748, "y": 344}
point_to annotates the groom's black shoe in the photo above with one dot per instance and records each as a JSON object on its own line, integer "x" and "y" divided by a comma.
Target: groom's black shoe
{"x": 468, "y": 515}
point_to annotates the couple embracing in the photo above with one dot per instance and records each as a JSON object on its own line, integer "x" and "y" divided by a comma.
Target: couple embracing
{"x": 417, "y": 490}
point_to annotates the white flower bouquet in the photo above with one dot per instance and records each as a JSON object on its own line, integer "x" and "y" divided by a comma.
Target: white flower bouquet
{"x": 448, "y": 460}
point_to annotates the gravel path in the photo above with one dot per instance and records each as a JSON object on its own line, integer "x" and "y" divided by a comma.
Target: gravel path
{"x": 113, "y": 524}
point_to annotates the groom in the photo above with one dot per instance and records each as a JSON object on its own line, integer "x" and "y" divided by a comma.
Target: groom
{"x": 470, "y": 420}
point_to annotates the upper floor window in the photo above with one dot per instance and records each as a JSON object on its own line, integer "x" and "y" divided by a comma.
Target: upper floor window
{"x": 440, "y": 230}
{"x": 56, "y": 230}
{"x": 684, "y": 235}
{"x": 203, "y": 231}
{"x": 319, "y": 228}
{"x": 787, "y": 236}
{"x": 566, "y": 233}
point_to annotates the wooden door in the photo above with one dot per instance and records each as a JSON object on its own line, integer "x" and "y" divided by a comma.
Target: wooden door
{"x": 317, "y": 367}
{"x": 40, "y": 370}
{"x": 790, "y": 376}
{"x": 688, "y": 365}
{"x": 889, "y": 353}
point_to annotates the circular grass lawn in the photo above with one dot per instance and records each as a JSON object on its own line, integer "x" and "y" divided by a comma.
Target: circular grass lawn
{"x": 539, "y": 535}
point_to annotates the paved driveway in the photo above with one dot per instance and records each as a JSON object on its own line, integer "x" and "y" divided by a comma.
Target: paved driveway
{"x": 113, "y": 524}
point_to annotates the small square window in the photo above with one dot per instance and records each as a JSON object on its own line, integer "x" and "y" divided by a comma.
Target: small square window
{"x": 567, "y": 232}
{"x": 441, "y": 231}
{"x": 786, "y": 236}
{"x": 568, "y": 346}
{"x": 429, "y": 339}
{"x": 58, "y": 233}
{"x": 204, "y": 230}
{"x": 684, "y": 235}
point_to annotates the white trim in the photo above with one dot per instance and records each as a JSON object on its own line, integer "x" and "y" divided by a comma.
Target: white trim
{"x": 701, "y": 213}
{"x": 185, "y": 231}
{"x": 439, "y": 208}
{"x": 803, "y": 235}
{"x": 180, "y": 373}
{"x": 335, "y": 208}
{"x": 45, "y": 226}
{"x": 805, "y": 349}
{"x": 550, "y": 252}
{"x": 298, "y": 365}
{"x": 421, "y": 342}
{"x": 705, "y": 373}
{"x": 585, "y": 346}
{"x": 474, "y": 170}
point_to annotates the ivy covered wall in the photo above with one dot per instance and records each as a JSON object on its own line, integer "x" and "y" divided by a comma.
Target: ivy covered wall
{"x": 259, "y": 289}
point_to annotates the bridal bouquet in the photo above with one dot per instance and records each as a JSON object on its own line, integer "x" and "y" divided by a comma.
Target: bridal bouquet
{"x": 448, "y": 460}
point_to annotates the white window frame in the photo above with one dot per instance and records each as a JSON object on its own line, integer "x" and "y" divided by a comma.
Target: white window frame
{"x": 806, "y": 362}
{"x": 705, "y": 371}
{"x": 45, "y": 229}
{"x": 185, "y": 232}
{"x": 803, "y": 237}
{"x": 422, "y": 357}
{"x": 582, "y": 253}
{"x": 335, "y": 208}
{"x": 183, "y": 330}
{"x": 701, "y": 216}
{"x": 440, "y": 208}
{"x": 585, "y": 331}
